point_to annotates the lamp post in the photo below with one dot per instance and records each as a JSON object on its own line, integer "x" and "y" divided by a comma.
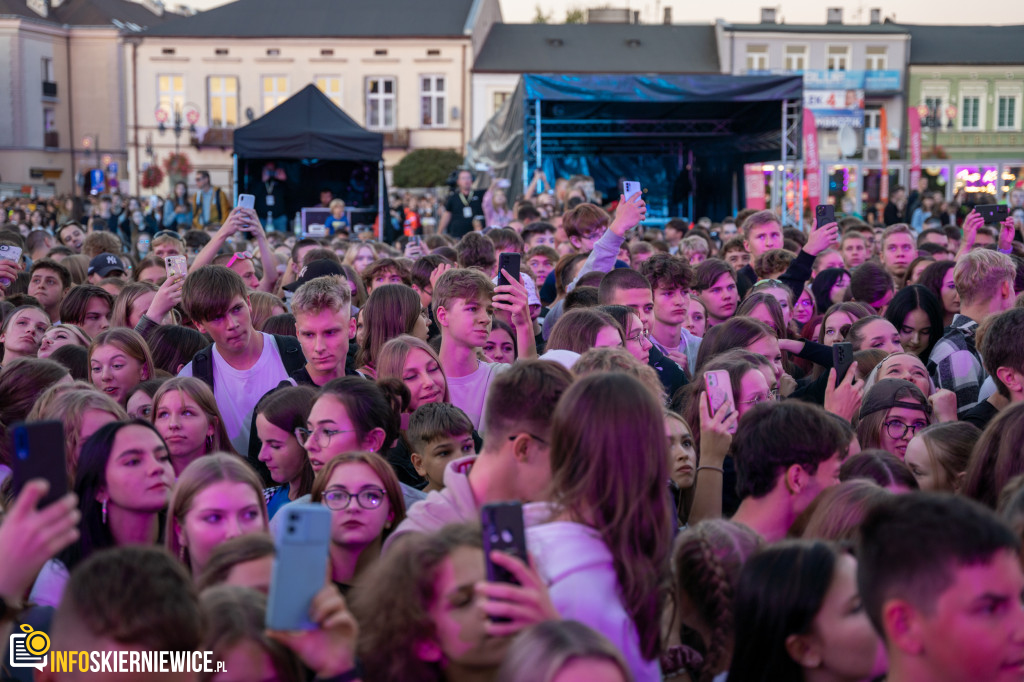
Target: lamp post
{"x": 181, "y": 113}
{"x": 931, "y": 118}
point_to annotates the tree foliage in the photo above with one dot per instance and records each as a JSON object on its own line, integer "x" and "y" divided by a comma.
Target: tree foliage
{"x": 426, "y": 167}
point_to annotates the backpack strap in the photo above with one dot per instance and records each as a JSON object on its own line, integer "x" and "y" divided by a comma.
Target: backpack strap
{"x": 202, "y": 365}
{"x": 291, "y": 353}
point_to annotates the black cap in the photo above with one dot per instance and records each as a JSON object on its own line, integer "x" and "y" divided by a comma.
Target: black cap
{"x": 104, "y": 264}
{"x": 318, "y": 268}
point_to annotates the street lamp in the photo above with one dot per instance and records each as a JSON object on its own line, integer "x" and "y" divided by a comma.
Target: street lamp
{"x": 931, "y": 118}
{"x": 182, "y": 112}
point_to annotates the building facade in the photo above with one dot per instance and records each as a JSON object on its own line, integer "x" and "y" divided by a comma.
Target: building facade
{"x": 407, "y": 76}
{"x": 63, "y": 113}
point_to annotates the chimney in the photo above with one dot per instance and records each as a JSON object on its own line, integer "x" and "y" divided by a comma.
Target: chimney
{"x": 835, "y": 15}
{"x": 767, "y": 15}
{"x": 876, "y": 15}
{"x": 668, "y": 15}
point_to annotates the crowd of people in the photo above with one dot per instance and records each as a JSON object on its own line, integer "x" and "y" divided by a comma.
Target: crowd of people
{"x": 811, "y": 526}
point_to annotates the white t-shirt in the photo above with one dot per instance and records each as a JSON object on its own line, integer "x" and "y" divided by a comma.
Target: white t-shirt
{"x": 469, "y": 393}
{"x": 238, "y": 390}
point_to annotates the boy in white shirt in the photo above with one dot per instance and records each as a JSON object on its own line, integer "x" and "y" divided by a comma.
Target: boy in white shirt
{"x": 242, "y": 364}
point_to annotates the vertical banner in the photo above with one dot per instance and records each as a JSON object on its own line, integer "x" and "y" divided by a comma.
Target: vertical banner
{"x": 914, "y": 121}
{"x": 883, "y": 123}
{"x": 812, "y": 165}
{"x": 753, "y": 178}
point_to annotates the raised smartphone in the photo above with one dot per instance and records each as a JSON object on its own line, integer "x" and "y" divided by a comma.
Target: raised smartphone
{"x": 510, "y": 262}
{"x": 176, "y": 265}
{"x": 993, "y": 213}
{"x": 719, "y": 389}
{"x": 300, "y": 566}
{"x": 39, "y": 453}
{"x": 842, "y": 359}
{"x": 246, "y": 201}
{"x": 11, "y": 253}
{"x": 630, "y": 188}
{"x": 503, "y": 530}
{"x": 823, "y": 215}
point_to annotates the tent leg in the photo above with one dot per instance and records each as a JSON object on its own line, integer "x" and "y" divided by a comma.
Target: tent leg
{"x": 380, "y": 201}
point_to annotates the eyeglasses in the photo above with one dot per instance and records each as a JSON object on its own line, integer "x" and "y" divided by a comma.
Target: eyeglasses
{"x": 640, "y": 337}
{"x": 805, "y": 303}
{"x": 594, "y": 234}
{"x": 338, "y": 499}
{"x": 322, "y": 437}
{"x": 239, "y": 255}
{"x": 762, "y": 398}
{"x": 897, "y": 429}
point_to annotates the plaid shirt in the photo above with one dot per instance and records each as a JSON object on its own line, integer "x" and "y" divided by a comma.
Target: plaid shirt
{"x": 956, "y": 365}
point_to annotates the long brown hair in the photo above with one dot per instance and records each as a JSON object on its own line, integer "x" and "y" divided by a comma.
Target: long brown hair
{"x": 608, "y": 452}
{"x": 288, "y": 409}
{"x": 380, "y": 466}
{"x": 391, "y": 310}
{"x": 391, "y": 361}
{"x": 200, "y": 392}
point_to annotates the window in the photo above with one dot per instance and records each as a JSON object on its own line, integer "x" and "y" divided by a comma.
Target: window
{"x": 838, "y": 57}
{"x": 969, "y": 113}
{"x": 432, "y": 99}
{"x": 876, "y": 59}
{"x": 796, "y": 57}
{"x": 872, "y": 117}
{"x": 498, "y": 100}
{"x": 935, "y": 95}
{"x": 1008, "y": 100}
{"x": 330, "y": 86}
{"x": 1007, "y": 112}
{"x": 972, "y": 105}
{"x": 47, "y": 70}
{"x": 50, "y": 137}
{"x": 380, "y": 103}
{"x": 223, "y": 93}
{"x": 275, "y": 91}
{"x": 757, "y": 58}
{"x": 171, "y": 92}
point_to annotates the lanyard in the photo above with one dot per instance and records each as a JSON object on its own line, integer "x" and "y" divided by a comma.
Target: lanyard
{"x": 465, "y": 201}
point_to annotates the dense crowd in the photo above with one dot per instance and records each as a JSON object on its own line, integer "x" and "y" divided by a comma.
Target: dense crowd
{"x": 795, "y": 520}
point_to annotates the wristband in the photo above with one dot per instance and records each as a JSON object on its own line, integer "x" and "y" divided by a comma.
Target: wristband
{"x": 718, "y": 469}
{"x": 1006, "y": 251}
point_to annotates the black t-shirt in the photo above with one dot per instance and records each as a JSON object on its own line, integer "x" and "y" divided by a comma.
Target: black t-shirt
{"x": 981, "y": 414}
{"x": 463, "y": 210}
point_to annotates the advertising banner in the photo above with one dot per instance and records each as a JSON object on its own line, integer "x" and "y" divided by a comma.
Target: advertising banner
{"x": 812, "y": 164}
{"x": 753, "y": 178}
{"x": 914, "y": 123}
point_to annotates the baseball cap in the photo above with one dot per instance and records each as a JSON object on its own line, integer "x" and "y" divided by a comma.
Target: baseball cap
{"x": 104, "y": 264}
{"x": 890, "y": 393}
{"x": 318, "y": 268}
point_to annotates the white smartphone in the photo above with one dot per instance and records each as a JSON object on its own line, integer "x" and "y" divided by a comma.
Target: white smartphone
{"x": 246, "y": 201}
{"x": 719, "y": 388}
{"x": 300, "y": 566}
{"x": 11, "y": 253}
{"x": 630, "y": 188}
{"x": 176, "y": 265}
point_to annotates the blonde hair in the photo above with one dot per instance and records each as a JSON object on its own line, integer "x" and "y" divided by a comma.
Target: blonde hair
{"x": 197, "y": 476}
{"x": 80, "y": 336}
{"x": 837, "y": 513}
{"x": 353, "y": 252}
{"x": 262, "y": 306}
{"x": 128, "y": 341}
{"x": 394, "y": 353}
{"x": 620, "y": 360}
{"x": 200, "y": 392}
{"x": 321, "y": 293}
{"x": 69, "y": 403}
{"x": 980, "y": 272}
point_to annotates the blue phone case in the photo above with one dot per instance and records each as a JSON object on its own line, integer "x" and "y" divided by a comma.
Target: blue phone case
{"x": 300, "y": 565}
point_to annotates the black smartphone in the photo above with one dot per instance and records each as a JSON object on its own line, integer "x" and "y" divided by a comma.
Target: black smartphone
{"x": 503, "y": 530}
{"x": 842, "y": 358}
{"x": 823, "y": 215}
{"x": 993, "y": 213}
{"x": 510, "y": 262}
{"x": 39, "y": 453}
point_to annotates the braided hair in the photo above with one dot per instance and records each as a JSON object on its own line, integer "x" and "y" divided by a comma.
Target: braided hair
{"x": 708, "y": 558}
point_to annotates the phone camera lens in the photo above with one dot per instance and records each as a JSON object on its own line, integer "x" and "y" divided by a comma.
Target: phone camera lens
{"x": 506, "y": 537}
{"x": 291, "y": 529}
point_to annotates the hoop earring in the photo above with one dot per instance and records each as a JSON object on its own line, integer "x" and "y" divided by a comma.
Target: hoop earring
{"x": 104, "y": 512}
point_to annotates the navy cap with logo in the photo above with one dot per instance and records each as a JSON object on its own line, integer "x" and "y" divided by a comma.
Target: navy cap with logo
{"x": 104, "y": 264}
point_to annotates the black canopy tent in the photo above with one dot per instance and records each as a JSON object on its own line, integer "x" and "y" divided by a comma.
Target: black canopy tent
{"x": 684, "y": 137}
{"x": 319, "y": 146}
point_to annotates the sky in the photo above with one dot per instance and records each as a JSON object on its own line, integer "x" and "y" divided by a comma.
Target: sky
{"x": 749, "y": 11}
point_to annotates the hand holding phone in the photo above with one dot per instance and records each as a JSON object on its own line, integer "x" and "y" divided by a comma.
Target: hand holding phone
{"x": 10, "y": 253}
{"x": 630, "y": 189}
{"x": 39, "y": 453}
{"x": 719, "y": 390}
{"x": 993, "y": 213}
{"x": 842, "y": 359}
{"x": 246, "y": 201}
{"x": 503, "y": 531}
{"x": 176, "y": 265}
{"x": 300, "y": 565}
{"x": 823, "y": 215}
{"x": 510, "y": 262}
